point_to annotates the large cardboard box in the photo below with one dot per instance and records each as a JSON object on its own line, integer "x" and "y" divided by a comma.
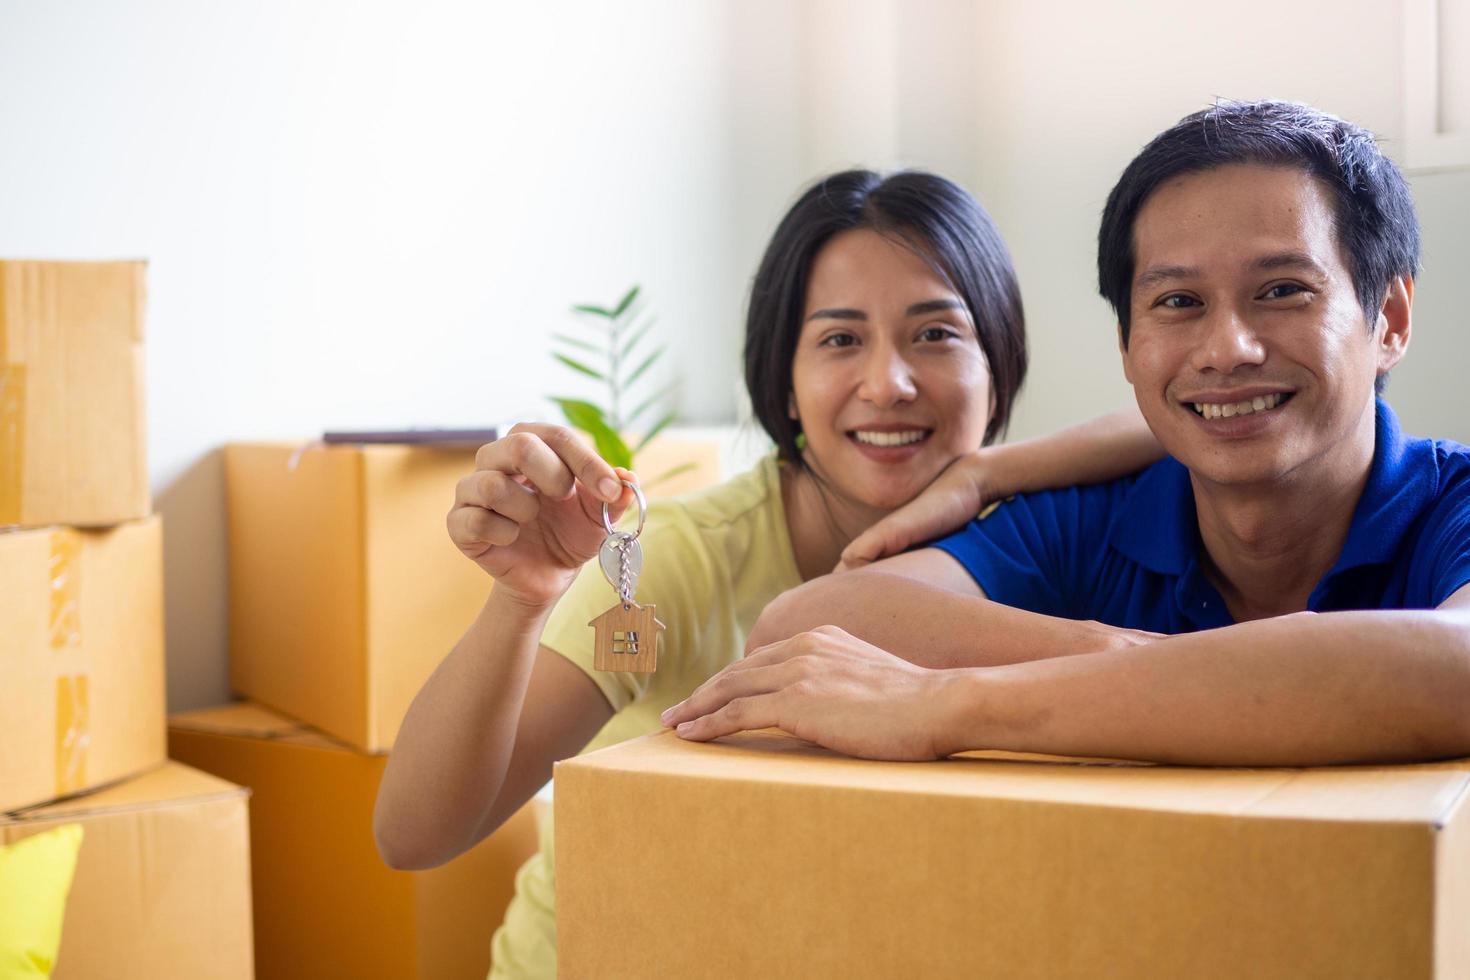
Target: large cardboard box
{"x": 325, "y": 903}
{"x": 762, "y": 856}
{"x": 81, "y": 659}
{"x": 345, "y": 590}
{"x": 71, "y": 393}
{"x": 162, "y": 886}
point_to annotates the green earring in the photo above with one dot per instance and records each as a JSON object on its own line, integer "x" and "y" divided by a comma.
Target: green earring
{"x": 801, "y": 442}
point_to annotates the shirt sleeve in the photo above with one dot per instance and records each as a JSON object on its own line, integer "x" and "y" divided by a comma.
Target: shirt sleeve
{"x": 1031, "y": 552}
{"x": 1447, "y": 533}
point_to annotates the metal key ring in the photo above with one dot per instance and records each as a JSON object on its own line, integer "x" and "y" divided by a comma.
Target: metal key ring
{"x": 642, "y": 512}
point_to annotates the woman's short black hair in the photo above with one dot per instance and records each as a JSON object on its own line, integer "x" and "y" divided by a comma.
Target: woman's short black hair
{"x": 933, "y": 216}
{"x": 1375, "y": 216}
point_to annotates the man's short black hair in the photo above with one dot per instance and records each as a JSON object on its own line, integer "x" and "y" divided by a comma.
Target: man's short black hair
{"x": 936, "y": 218}
{"x": 1376, "y": 222}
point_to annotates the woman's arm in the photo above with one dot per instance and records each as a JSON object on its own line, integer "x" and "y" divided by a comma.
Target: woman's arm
{"x": 1102, "y": 449}
{"x": 481, "y": 737}
{"x": 469, "y": 751}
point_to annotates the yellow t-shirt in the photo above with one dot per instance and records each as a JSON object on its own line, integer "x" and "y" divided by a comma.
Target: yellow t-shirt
{"x": 711, "y": 562}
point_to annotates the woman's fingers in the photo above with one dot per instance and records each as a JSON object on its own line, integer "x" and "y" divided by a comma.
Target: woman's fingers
{"x": 552, "y": 458}
{"x": 475, "y": 530}
{"x": 498, "y": 492}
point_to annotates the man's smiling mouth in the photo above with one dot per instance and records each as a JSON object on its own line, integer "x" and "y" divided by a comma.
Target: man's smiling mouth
{"x": 1248, "y": 406}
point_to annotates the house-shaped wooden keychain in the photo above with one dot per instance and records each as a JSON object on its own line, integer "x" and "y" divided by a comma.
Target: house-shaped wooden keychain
{"x": 627, "y": 638}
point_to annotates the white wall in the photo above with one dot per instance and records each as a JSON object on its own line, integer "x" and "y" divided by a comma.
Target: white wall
{"x": 369, "y": 214}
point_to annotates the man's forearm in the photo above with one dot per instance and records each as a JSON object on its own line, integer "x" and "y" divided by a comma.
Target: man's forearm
{"x": 1296, "y": 690}
{"x": 928, "y": 625}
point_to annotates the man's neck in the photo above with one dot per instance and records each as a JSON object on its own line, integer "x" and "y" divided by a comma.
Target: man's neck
{"x": 1266, "y": 548}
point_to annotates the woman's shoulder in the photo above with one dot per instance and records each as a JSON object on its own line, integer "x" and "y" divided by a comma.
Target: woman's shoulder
{"x": 754, "y": 495}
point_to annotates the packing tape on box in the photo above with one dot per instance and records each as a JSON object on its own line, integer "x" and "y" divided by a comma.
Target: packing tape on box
{"x": 64, "y": 576}
{"x": 12, "y": 440}
{"x": 73, "y": 733}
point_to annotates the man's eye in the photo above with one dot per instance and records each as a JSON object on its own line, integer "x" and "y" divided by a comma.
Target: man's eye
{"x": 838, "y": 340}
{"x": 935, "y": 334}
{"x": 1178, "y": 301}
{"x": 1284, "y": 290}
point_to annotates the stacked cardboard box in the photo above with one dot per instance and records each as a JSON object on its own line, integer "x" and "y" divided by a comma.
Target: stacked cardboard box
{"x": 760, "y": 855}
{"x": 326, "y": 904}
{"x": 161, "y": 888}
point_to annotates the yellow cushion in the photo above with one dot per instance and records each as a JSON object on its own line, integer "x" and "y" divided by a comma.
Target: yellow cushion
{"x": 35, "y": 876}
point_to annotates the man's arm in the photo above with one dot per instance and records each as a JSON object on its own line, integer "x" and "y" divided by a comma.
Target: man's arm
{"x": 924, "y": 607}
{"x": 1304, "y": 689}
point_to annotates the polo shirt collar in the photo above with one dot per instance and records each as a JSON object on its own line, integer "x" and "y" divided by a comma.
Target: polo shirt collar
{"x": 1157, "y": 527}
{"x": 1402, "y": 480}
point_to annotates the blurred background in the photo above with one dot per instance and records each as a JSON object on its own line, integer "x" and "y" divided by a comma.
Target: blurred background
{"x": 364, "y": 215}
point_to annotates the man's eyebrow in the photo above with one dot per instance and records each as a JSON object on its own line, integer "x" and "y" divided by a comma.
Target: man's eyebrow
{"x": 933, "y": 306}
{"x": 837, "y": 314}
{"x": 1289, "y": 260}
{"x": 1157, "y": 274}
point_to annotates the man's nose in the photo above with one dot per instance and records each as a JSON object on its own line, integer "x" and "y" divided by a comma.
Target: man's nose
{"x": 1228, "y": 342}
{"x": 887, "y": 377}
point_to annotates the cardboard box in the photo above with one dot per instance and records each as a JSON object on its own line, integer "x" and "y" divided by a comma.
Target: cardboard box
{"x": 345, "y": 590}
{"x": 72, "y": 446}
{"x": 162, "y": 887}
{"x": 325, "y": 903}
{"x": 81, "y": 659}
{"x": 760, "y": 855}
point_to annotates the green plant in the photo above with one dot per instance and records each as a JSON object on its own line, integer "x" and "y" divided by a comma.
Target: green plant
{"x": 622, "y": 327}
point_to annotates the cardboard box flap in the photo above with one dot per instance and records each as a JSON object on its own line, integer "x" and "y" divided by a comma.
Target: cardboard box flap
{"x": 171, "y": 783}
{"x": 1423, "y": 793}
{"x": 246, "y": 719}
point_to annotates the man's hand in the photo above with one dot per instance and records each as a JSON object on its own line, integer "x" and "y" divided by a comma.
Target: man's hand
{"x": 825, "y": 686}
{"x": 953, "y": 499}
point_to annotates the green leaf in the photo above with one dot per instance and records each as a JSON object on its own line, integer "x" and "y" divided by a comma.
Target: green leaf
{"x": 576, "y": 342}
{"x": 658, "y": 427}
{"x": 667, "y": 475}
{"x": 581, "y": 414}
{"x": 651, "y": 400}
{"x": 579, "y": 366}
{"x": 591, "y": 420}
{"x": 593, "y": 311}
{"x": 638, "y": 371}
{"x": 637, "y": 335}
{"x": 625, "y": 302}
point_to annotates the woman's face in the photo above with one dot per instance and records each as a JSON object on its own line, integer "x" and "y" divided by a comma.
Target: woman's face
{"x": 889, "y": 382}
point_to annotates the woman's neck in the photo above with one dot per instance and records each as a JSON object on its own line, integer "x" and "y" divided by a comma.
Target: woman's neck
{"x": 819, "y": 520}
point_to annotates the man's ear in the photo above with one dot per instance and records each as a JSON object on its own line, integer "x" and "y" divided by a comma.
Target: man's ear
{"x": 1395, "y": 323}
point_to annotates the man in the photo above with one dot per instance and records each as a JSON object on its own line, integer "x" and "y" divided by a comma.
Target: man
{"x": 1288, "y": 588}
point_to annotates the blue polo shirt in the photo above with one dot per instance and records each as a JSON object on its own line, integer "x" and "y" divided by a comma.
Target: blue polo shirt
{"x": 1127, "y": 552}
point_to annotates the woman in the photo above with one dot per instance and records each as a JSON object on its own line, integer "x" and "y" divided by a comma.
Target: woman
{"x": 884, "y": 340}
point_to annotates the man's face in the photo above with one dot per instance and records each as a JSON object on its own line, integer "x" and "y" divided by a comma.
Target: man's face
{"x": 1249, "y": 353}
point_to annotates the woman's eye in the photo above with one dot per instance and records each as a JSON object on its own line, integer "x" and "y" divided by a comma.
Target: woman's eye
{"x": 838, "y": 340}
{"x": 935, "y": 334}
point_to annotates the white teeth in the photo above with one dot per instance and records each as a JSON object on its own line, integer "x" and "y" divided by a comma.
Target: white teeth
{"x": 888, "y": 438}
{"x": 1226, "y": 410}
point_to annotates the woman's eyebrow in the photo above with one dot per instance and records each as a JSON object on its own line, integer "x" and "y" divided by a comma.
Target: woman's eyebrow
{"x": 838, "y": 314}
{"x": 933, "y": 306}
